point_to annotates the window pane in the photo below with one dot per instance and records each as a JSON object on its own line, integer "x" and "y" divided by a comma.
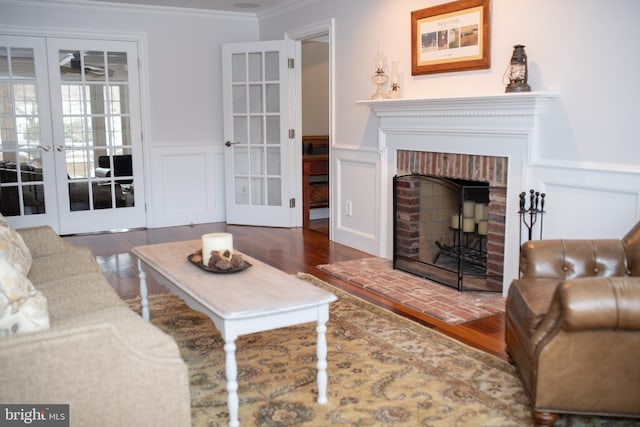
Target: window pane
{"x": 273, "y": 161}
{"x": 78, "y": 196}
{"x": 102, "y": 195}
{"x": 26, "y": 102}
{"x": 256, "y": 131}
{"x": 22, "y": 63}
{"x": 116, "y": 67}
{"x": 241, "y": 160}
{"x": 4, "y": 63}
{"x": 275, "y": 193}
{"x": 238, "y": 67}
{"x": 273, "y": 130}
{"x": 255, "y": 98}
{"x": 6, "y": 102}
{"x": 255, "y": 67}
{"x": 8, "y": 135}
{"x": 257, "y": 161}
{"x": 239, "y": 99}
{"x": 242, "y": 190}
{"x": 273, "y": 98}
{"x": 240, "y": 129}
{"x": 9, "y": 201}
{"x": 33, "y": 196}
{"x": 257, "y": 191}
{"x": 272, "y": 71}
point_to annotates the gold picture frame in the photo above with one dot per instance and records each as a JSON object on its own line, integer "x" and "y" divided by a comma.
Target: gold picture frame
{"x": 451, "y": 37}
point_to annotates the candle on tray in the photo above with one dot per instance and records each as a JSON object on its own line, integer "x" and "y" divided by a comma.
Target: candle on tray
{"x": 215, "y": 242}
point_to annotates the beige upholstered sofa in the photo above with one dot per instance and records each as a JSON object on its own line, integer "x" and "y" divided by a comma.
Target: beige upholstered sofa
{"x": 93, "y": 353}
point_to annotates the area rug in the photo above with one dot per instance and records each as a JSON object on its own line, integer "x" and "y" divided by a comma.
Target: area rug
{"x": 433, "y": 299}
{"x": 383, "y": 370}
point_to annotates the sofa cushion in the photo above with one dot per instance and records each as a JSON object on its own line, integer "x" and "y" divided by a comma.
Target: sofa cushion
{"x": 22, "y": 307}
{"x": 13, "y": 248}
{"x": 77, "y": 295}
{"x": 62, "y": 265}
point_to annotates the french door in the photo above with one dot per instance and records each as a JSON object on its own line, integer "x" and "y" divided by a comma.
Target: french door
{"x": 261, "y": 159}
{"x": 77, "y": 151}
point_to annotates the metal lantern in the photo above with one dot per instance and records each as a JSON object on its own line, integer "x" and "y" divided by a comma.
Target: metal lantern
{"x": 518, "y": 71}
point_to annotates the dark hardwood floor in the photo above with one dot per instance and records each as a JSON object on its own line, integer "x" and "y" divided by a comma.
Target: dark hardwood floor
{"x": 291, "y": 250}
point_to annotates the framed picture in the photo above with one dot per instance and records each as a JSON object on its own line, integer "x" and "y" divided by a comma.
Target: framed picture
{"x": 451, "y": 37}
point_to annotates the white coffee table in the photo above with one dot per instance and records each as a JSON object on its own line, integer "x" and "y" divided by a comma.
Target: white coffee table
{"x": 254, "y": 300}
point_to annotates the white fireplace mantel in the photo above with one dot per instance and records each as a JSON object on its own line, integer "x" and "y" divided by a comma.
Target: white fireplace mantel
{"x": 511, "y": 104}
{"x": 505, "y": 125}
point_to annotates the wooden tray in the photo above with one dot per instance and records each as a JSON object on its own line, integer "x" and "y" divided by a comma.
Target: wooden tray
{"x": 243, "y": 267}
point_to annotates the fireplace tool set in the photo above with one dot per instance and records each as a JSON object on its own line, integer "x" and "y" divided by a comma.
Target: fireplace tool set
{"x": 529, "y": 216}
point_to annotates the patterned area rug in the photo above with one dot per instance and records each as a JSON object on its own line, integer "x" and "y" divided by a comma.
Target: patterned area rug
{"x": 383, "y": 370}
{"x": 436, "y": 300}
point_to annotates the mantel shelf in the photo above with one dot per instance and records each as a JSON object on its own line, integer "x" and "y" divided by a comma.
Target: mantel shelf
{"x": 493, "y": 105}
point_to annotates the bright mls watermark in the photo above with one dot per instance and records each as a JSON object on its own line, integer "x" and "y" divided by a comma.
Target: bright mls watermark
{"x": 34, "y": 415}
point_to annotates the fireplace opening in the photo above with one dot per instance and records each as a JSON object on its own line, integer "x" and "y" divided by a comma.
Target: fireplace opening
{"x": 441, "y": 230}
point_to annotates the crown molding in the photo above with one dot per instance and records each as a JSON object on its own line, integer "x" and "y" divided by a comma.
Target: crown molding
{"x": 103, "y": 5}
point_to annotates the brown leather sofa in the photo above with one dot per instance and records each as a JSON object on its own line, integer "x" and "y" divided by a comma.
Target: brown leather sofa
{"x": 573, "y": 326}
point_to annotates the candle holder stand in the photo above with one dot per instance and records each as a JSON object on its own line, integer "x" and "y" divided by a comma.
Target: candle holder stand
{"x": 468, "y": 246}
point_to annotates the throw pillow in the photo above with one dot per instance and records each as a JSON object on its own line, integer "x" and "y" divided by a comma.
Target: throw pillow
{"x": 13, "y": 248}
{"x": 22, "y": 308}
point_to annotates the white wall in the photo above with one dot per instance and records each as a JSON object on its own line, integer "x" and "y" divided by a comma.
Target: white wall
{"x": 182, "y": 97}
{"x": 581, "y": 49}
{"x": 584, "y": 50}
{"x": 315, "y": 88}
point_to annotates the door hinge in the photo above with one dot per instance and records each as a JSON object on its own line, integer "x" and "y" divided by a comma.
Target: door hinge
{"x": 291, "y": 63}
{"x": 292, "y": 133}
{"x": 292, "y": 203}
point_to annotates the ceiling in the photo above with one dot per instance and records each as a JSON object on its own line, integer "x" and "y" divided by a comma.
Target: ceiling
{"x": 241, "y": 6}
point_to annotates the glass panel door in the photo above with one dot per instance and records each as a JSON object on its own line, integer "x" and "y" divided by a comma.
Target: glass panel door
{"x": 255, "y": 99}
{"x": 27, "y": 191}
{"x": 96, "y": 142}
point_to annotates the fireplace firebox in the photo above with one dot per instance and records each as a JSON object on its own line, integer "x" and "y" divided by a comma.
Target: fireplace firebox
{"x": 440, "y": 230}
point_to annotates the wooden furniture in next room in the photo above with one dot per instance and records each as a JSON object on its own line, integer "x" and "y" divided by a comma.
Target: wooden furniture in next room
{"x": 315, "y": 174}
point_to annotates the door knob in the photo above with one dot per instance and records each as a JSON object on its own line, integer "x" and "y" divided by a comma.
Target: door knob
{"x": 60, "y": 148}
{"x": 45, "y": 148}
{"x": 229, "y": 143}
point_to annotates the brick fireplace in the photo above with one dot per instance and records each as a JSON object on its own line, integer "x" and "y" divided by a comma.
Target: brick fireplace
{"x": 482, "y": 138}
{"x": 420, "y": 231}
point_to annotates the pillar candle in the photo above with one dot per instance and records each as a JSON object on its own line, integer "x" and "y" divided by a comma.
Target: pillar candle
{"x": 469, "y": 209}
{"x": 469, "y": 225}
{"x": 455, "y": 222}
{"x": 481, "y": 211}
{"x": 483, "y": 227}
{"x": 215, "y": 242}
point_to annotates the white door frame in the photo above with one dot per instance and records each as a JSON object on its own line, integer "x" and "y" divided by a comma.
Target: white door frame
{"x": 307, "y": 32}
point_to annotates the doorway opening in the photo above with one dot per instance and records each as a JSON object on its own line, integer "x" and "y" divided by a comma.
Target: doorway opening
{"x": 315, "y": 85}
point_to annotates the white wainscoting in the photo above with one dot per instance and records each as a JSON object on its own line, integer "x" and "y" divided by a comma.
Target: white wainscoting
{"x": 355, "y": 203}
{"x": 593, "y": 201}
{"x": 186, "y": 185}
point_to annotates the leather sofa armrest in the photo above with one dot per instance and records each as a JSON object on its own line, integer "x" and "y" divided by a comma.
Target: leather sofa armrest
{"x": 588, "y": 304}
{"x": 601, "y": 303}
